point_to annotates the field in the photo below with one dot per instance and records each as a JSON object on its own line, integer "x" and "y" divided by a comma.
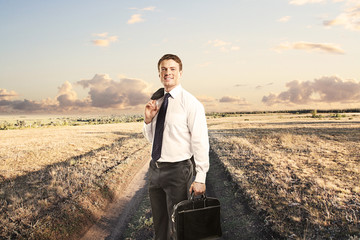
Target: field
{"x": 56, "y": 181}
{"x": 300, "y": 174}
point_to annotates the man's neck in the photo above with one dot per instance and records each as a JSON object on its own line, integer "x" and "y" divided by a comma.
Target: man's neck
{"x": 171, "y": 88}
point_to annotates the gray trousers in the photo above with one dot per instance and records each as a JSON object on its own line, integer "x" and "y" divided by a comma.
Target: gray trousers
{"x": 169, "y": 184}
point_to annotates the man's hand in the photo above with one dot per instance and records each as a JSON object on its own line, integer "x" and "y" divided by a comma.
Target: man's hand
{"x": 197, "y": 188}
{"x": 151, "y": 109}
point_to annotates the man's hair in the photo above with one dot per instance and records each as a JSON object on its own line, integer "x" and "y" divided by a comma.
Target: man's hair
{"x": 168, "y": 57}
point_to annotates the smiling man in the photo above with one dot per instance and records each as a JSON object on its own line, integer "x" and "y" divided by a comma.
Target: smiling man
{"x": 176, "y": 126}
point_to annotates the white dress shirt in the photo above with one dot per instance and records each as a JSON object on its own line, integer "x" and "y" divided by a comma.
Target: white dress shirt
{"x": 185, "y": 131}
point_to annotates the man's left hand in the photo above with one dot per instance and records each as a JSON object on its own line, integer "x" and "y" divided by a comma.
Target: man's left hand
{"x": 197, "y": 188}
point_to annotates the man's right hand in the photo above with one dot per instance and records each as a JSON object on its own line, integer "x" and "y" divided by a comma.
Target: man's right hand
{"x": 151, "y": 109}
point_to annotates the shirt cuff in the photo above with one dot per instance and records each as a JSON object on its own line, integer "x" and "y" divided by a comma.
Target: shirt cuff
{"x": 200, "y": 177}
{"x": 147, "y": 127}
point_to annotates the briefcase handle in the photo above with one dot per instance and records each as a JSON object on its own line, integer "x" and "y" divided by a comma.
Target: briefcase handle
{"x": 201, "y": 198}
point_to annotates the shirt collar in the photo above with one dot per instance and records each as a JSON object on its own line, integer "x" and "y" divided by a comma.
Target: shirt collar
{"x": 175, "y": 91}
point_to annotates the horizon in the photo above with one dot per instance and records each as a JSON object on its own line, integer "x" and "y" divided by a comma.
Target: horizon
{"x": 208, "y": 113}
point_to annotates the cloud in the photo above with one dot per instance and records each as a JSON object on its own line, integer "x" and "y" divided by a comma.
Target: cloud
{"x": 327, "y": 89}
{"x": 104, "y": 94}
{"x": 7, "y": 95}
{"x": 223, "y": 46}
{"x": 261, "y": 86}
{"x": 104, "y": 34}
{"x": 224, "y": 104}
{"x": 206, "y": 99}
{"x": 308, "y": 46}
{"x": 105, "y": 40}
{"x": 101, "y": 42}
{"x": 240, "y": 85}
{"x": 107, "y": 93}
{"x": 150, "y": 8}
{"x": 350, "y": 19}
{"x": 27, "y": 106}
{"x": 218, "y": 43}
{"x": 136, "y": 18}
{"x": 284, "y": 19}
{"x": 233, "y": 99}
{"x": 303, "y": 2}
{"x": 67, "y": 98}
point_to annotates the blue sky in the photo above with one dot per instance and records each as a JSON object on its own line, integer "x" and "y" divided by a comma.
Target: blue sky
{"x": 100, "y": 56}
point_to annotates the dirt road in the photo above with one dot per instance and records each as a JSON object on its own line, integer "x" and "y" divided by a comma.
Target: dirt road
{"x": 239, "y": 221}
{"x": 114, "y": 221}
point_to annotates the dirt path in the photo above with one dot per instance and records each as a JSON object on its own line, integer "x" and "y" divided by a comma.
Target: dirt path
{"x": 114, "y": 221}
{"x": 239, "y": 221}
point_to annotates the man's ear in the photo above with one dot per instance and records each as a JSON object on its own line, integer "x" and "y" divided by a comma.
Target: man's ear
{"x": 180, "y": 73}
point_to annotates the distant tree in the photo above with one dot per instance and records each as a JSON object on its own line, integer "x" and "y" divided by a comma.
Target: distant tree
{"x": 314, "y": 114}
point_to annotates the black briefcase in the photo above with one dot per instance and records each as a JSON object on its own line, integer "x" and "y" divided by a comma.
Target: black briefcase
{"x": 197, "y": 218}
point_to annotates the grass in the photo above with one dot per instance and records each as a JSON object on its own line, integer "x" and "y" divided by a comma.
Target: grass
{"x": 40, "y": 121}
{"x": 140, "y": 225}
{"x": 55, "y": 182}
{"x": 304, "y": 174}
{"x": 300, "y": 174}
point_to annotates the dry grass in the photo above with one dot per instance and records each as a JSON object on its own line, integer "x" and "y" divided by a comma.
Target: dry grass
{"x": 55, "y": 181}
{"x": 302, "y": 173}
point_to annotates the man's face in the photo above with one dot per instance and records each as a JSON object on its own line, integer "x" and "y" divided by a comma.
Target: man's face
{"x": 170, "y": 74}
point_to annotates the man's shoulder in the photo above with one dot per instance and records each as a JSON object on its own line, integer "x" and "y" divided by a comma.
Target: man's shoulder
{"x": 189, "y": 99}
{"x": 188, "y": 96}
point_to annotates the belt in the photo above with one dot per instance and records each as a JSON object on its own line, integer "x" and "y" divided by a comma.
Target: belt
{"x": 157, "y": 164}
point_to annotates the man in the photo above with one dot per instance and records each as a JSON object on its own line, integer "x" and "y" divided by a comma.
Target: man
{"x": 181, "y": 132}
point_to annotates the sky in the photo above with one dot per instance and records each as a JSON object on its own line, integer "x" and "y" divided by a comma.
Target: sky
{"x": 92, "y": 56}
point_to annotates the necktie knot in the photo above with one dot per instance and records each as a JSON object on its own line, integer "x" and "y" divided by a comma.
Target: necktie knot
{"x": 167, "y": 95}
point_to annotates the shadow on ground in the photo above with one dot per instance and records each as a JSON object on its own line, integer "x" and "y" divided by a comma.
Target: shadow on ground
{"x": 238, "y": 220}
{"x": 38, "y": 205}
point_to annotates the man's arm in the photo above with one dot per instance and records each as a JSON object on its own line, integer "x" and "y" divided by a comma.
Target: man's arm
{"x": 151, "y": 109}
{"x": 200, "y": 145}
